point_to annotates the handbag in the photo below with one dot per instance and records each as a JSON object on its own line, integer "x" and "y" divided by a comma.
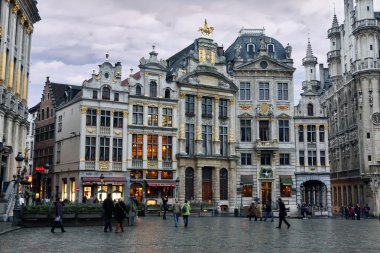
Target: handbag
{"x": 57, "y": 219}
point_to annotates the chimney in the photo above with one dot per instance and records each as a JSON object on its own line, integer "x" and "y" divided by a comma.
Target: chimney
{"x": 220, "y": 51}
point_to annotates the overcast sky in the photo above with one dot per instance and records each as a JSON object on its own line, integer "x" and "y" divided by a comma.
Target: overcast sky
{"x": 73, "y": 35}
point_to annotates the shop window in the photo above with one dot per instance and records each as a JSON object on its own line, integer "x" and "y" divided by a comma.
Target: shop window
{"x": 102, "y": 192}
{"x": 247, "y": 190}
{"x": 167, "y": 191}
{"x": 87, "y": 192}
{"x": 136, "y": 174}
{"x": 64, "y": 190}
{"x": 286, "y": 191}
{"x": 151, "y": 192}
{"x": 166, "y": 175}
{"x": 152, "y": 174}
{"x": 117, "y": 191}
{"x": 72, "y": 190}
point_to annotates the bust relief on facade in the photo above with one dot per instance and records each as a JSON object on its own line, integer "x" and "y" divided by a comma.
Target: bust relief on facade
{"x": 264, "y": 109}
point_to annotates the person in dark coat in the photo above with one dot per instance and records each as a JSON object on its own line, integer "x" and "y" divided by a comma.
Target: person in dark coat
{"x": 268, "y": 211}
{"x": 58, "y": 220}
{"x": 119, "y": 214}
{"x": 282, "y": 213}
{"x": 165, "y": 206}
{"x": 108, "y": 209}
{"x": 252, "y": 211}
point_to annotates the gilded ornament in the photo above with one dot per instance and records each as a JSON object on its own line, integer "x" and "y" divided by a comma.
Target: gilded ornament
{"x": 182, "y": 94}
{"x": 83, "y": 109}
{"x": 206, "y": 29}
{"x": 22, "y": 19}
{"x": 117, "y": 132}
{"x": 304, "y": 126}
{"x": 245, "y": 107}
{"x": 112, "y": 113}
{"x": 1, "y": 32}
{"x": 231, "y": 101}
{"x": 29, "y": 29}
{"x": 282, "y": 107}
{"x": 98, "y": 111}
{"x": 125, "y": 114}
{"x": 104, "y": 165}
{"x": 199, "y": 133}
{"x": 199, "y": 96}
{"x": 296, "y": 126}
{"x": 264, "y": 108}
{"x": 90, "y": 130}
{"x": 16, "y": 8}
{"x": 182, "y": 132}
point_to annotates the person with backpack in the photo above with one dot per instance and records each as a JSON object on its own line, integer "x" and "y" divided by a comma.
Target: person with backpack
{"x": 186, "y": 213}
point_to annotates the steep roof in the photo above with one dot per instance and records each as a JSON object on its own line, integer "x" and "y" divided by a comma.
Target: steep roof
{"x": 59, "y": 89}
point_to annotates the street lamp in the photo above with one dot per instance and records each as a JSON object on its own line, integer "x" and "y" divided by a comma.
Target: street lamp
{"x": 177, "y": 187}
{"x": 241, "y": 198}
{"x": 17, "y": 178}
{"x": 46, "y": 171}
{"x": 101, "y": 186}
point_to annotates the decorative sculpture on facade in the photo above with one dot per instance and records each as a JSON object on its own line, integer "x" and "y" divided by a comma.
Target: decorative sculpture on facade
{"x": 205, "y": 29}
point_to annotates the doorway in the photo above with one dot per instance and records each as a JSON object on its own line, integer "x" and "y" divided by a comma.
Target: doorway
{"x": 136, "y": 191}
{"x": 266, "y": 192}
{"x": 207, "y": 183}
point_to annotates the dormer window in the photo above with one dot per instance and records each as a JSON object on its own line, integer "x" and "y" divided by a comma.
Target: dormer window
{"x": 167, "y": 93}
{"x": 106, "y": 93}
{"x": 138, "y": 90}
{"x": 250, "y": 48}
{"x": 116, "y": 97}
{"x": 153, "y": 89}
{"x": 310, "y": 110}
{"x": 270, "y": 49}
{"x": 95, "y": 94}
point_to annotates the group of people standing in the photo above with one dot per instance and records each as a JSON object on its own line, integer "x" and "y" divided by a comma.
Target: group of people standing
{"x": 256, "y": 210}
{"x": 355, "y": 212}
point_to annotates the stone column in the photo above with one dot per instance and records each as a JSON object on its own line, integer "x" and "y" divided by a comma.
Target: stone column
{"x": 231, "y": 127}
{"x": 296, "y": 157}
{"x": 129, "y": 150}
{"x": 2, "y": 125}
{"x": 198, "y": 184}
{"x": 126, "y": 141}
{"x": 318, "y": 146}
{"x": 305, "y": 140}
{"x": 145, "y": 115}
{"x": 180, "y": 122}
{"x": 232, "y": 188}
{"x": 216, "y": 184}
{"x": 327, "y": 157}
{"x": 198, "y": 128}
{"x": 98, "y": 115}
{"x": 182, "y": 183}
{"x": 160, "y": 115}
{"x": 216, "y": 140}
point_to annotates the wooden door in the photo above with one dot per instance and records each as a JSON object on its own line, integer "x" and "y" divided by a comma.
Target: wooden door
{"x": 207, "y": 184}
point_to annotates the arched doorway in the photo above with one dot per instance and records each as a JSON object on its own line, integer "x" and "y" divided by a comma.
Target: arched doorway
{"x": 136, "y": 190}
{"x": 189, "y": 183}
{"x": 223, "y": 177}
{"x": 314, "y": 194}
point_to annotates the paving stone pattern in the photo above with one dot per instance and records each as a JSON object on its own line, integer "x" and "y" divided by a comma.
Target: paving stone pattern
{"x": 204, "y": 234}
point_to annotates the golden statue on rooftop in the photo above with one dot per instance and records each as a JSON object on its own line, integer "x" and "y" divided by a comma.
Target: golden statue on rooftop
{"x": 205, "y": 29}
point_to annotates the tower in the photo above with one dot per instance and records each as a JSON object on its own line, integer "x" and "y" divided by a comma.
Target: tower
{"x": 309, "y": 62}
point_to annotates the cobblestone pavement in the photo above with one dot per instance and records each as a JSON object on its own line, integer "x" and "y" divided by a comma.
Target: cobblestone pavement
{"x": 6, "y": 227}
{"x": 204, "y": 234}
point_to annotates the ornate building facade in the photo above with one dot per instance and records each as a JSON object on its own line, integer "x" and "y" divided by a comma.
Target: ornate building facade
{"x": 351, "y": 101}
{"x": 16, "y": 27}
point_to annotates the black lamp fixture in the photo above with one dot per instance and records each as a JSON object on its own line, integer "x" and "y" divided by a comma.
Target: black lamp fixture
{"x": 46, "y": 168}
{"x": 17, "y": 221}
{"x": 101, "y": 178}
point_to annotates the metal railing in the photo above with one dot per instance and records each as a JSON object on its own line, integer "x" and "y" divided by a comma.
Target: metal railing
{"x": 137, "y": 163}
{"x": 116, "y": 166}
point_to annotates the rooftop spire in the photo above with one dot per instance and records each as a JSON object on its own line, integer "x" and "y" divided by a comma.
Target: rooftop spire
{"x": 309, "y": 51}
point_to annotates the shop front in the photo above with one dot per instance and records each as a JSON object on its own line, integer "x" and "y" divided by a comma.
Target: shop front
{"x": 95, "y": 189}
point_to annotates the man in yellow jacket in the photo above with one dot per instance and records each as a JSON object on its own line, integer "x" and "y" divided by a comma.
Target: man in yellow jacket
{"x": 186, "y": 212}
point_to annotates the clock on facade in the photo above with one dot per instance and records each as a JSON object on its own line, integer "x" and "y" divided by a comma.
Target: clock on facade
{"x": 376, "y": 118}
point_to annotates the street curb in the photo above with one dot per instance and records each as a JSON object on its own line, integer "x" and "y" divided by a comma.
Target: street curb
{"x": 10, "y": 230}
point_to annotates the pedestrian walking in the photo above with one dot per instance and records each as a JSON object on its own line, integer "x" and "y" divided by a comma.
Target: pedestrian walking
{"x": 186, "y": 213}
{"x": 108, "y": 209}
{"x": 268, "y": 211}
{"x": 165, "y": 206}
{"x": 259, "y": 211}
{"x": 282, "y": 214}
{"x": 176, "y": 212}
{"x": 58, "y": 220}
{"x": 119, "y": 214}
{"x": 251, "y": 211}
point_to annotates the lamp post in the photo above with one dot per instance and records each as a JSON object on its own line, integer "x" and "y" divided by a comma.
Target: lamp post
{"x": 17, "y": 221}
{"x": 46, "y": 172}
{"x": 241, "y": 199}
{"x": 177, "y": 188}
{"x": 101, "y": 186}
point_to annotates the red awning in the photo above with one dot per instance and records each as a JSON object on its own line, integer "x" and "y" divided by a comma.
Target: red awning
{"x": 161, "y": 183}
{"x": 106, "y": 179}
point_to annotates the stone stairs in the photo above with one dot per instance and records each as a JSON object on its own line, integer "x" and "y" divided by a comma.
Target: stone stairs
{"x": 7, "y": 203}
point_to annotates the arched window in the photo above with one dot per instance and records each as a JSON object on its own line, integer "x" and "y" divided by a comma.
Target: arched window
{"x": 270, "y": 49}
{"x": 310, "y": 110}
{"x": 167, "y": 93}
{"x": 138, "y": 90}
{"x": 153, "y": 89}
{"x": 250, "y": 48}
{"x": 106, "y": 93}
{"x": 223, "y": 184}
{"x": 47, "y": 112}
{"x": 189, "y": 183}
{"x": 42, "y": 114}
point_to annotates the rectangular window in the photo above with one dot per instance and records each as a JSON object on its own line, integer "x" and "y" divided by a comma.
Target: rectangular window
{"x": 321, "y": 133}
{"x": 264, "y": 130}
{"x": 118, "y": 119}
{"x": 167, "y": 117}
{"x": 137, "y": 146}
{"x": 152, "y": 147}
{"x": 152, "y": 116}
{"x": 312, "y": 157}
{"x": 105, "y": 118}
{"x": 95, "y": 94}
{"x": 116, "y": 97}
{"x": 300, "y": 133}
{"x": 263, "y": 91}
{"x": 283, "y": 130}
{"x": 302, "y": 157}
{"x": 311, "y": 135}
{"x": 245, "y": 91}
{"x": 59, "y": 143}
{"x": 223, "y": 105}
{"x": 246, "y": 159}
{"x": 284, "y": 159}
{"x": 189, "y": 104}
{"x": 167, "y": 144}
{"x": 206, "y": 107}
{"x": 90, "y": 148}
{"x": 265, "y": 159}
{"x": 138, "y": 115}
{"x": 91, "y": 117}
{"x": 323, "y": 157}
{"x": 117, "y": 152}
{"x": 189, "y": 139}
{"x": 282, "y": 91}
{"x": 223, "y": 138}
{"x": 207, "y": 139}
{"x": 104, "y": 149}
{"x": 60, "y": 123}
{"x": 286, "y": 191}
{"x": 245, "y": 130}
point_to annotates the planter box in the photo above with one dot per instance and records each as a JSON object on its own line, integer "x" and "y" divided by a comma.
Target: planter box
{"x": 89, "y": 215}
{"x": 35, "y": 216}
{"x": 68, "y": 215}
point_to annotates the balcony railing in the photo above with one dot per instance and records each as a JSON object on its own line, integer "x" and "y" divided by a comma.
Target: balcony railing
{"x": 332, "y": 31}
{"x": 366, "y": 64}
{"x": 365, "y": 24}
{"x": 116, "y": 166}
{"x": 89, "y": 165}
{"x": 273, "y": 144}
{"x": 137, "y": 163}
{"x": 105, "y": 130}
{"x": 167, "y": 164}
{"x": 333, "y": 55}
